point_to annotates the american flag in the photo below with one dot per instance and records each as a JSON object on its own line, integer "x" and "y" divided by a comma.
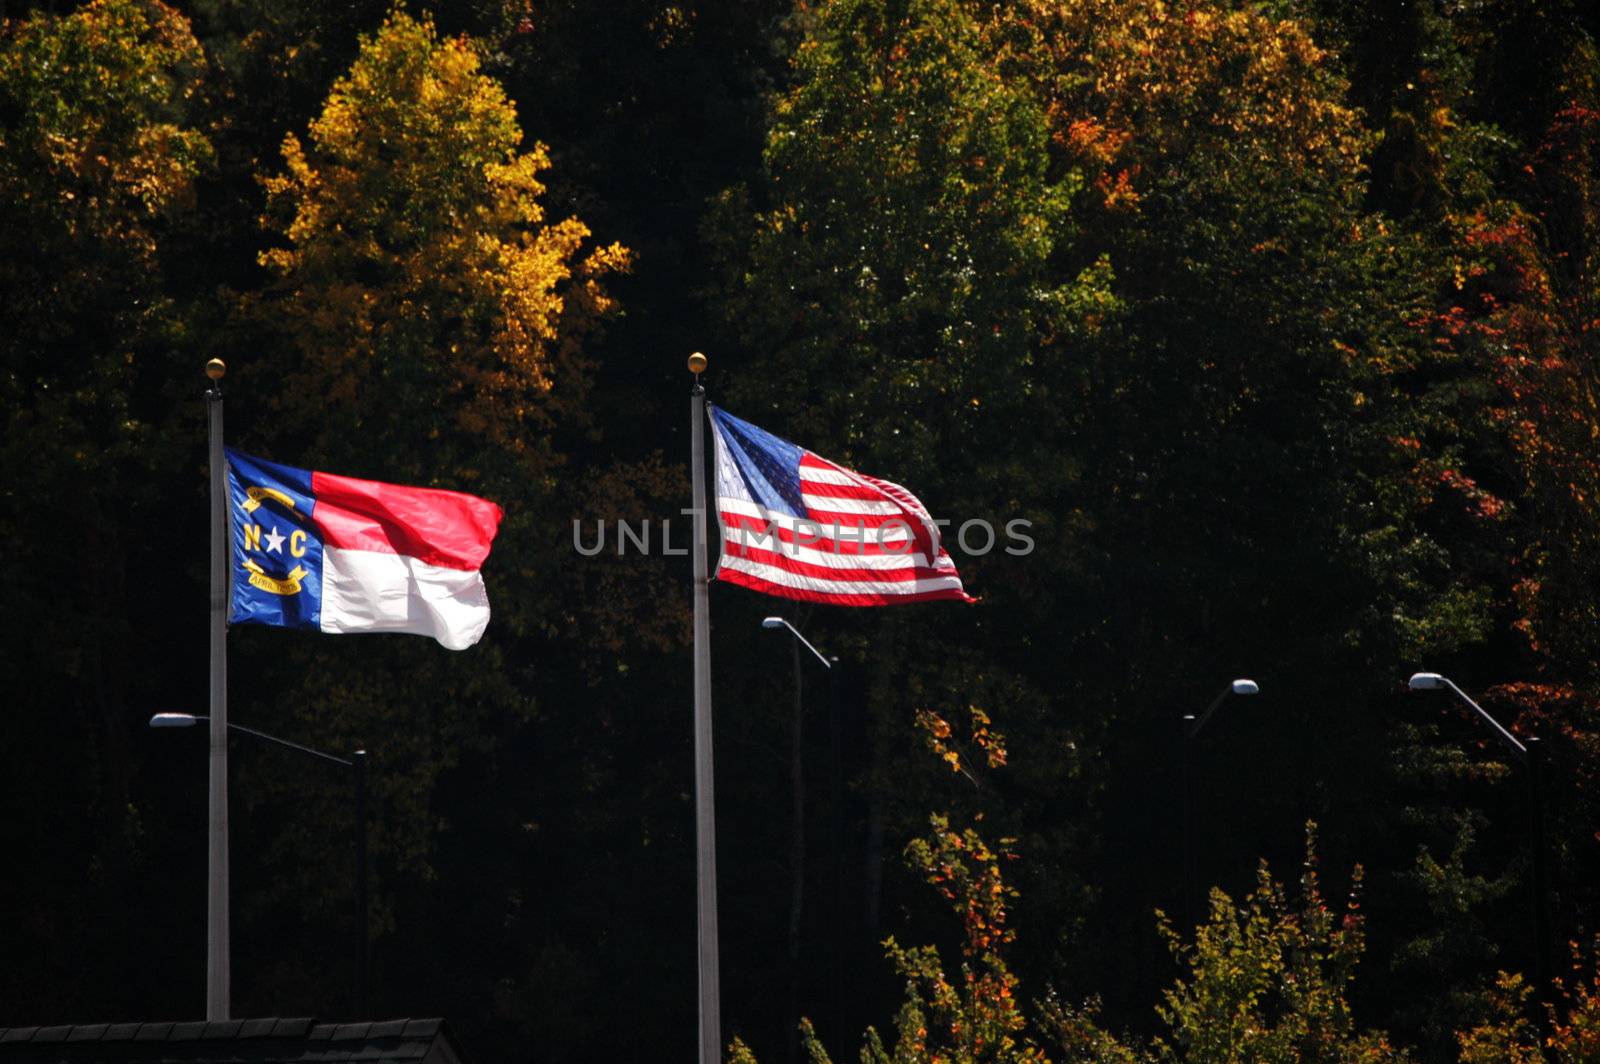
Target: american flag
{"x": 798, "y": 526}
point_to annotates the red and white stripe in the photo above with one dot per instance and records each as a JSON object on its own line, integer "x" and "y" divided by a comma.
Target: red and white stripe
{"x": 864, "y": 541}
{"x": 402, "y": 559}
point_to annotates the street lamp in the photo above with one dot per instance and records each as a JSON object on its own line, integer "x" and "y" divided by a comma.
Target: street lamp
{"x": 1531, "y": 753}
{"x": 797, "y": 846}
{"x": 356, "y": 761}
{"x": 1191, "y": 730}
{"x": 779, "y": 622}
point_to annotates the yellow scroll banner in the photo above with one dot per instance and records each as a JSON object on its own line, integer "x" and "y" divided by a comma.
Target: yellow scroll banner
{"x": 287, "y": 585}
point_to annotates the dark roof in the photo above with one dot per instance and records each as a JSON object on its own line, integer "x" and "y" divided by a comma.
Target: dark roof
{"x": 267, "y": 1041}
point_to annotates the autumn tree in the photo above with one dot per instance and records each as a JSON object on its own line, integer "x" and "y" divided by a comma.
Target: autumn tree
{"x": 418, "y": 282}
{"x": 1487, "y": 153}
{"x": 1227, "y": 175}
{"x": 906, "y": 259}
{"x": 1269, "y": 981}
{"x": 914, "y": 217}
{"x": 1568, "y": 1032}
{"x": 967, "y": 1017}
{"x": 423, "y": 322}
{"x": 1272, "y": 325}
{"x": 1142, "y": 233}
{"x": 1265, "y": 980}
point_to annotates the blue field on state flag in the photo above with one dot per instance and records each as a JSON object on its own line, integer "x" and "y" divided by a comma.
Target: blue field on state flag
{"x": 277, "y": 550}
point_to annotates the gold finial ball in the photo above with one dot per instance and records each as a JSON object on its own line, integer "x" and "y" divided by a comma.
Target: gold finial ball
{"x": 697, "y": 363}
{"x": 216, "y": 368}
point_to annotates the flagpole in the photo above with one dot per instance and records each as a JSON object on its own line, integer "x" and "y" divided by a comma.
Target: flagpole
{"x": 705, "y": 814}
{"x": 217, "y": 953}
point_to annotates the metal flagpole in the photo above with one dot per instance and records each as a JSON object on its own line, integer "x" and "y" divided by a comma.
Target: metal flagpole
{"x": 1541, "y": 878}
{"x": 217, "y": 958}
{"x": 705, "y": 814}
{"x": 358, "y": 761}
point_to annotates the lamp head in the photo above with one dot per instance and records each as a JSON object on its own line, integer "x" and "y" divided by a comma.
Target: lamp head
{"x": 174, "y": 720}
{"x": 772, "y": 622}
{"x": 1246, "y": 687}
{"x": 1426, "y": 681}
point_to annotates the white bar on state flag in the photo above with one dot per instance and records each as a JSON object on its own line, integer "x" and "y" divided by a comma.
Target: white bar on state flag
{"x": 374, "y": 591}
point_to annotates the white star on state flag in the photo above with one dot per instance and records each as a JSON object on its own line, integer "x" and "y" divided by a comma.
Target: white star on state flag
{"x": 274, "y": 540}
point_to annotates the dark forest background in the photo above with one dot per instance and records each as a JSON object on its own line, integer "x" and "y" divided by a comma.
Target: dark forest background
{"x": 1279, "y": 321}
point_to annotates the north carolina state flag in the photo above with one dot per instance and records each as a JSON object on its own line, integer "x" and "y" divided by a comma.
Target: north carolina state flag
{"x": 336, "y": 554}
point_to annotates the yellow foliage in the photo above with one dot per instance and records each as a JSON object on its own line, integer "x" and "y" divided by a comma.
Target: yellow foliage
{"x": 1131, "y": 83}
{"x": 98, "y": 141}
{"x": 417, "y": 255}
{"x": 1508, "y": 1036}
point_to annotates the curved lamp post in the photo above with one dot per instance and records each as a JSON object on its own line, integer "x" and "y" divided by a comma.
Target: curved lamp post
{"x": 1192, "y": 726}
{"x": 797, "y": 847}
{"x": 357, "y": 761}
{"x": 1531, "y": 753}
